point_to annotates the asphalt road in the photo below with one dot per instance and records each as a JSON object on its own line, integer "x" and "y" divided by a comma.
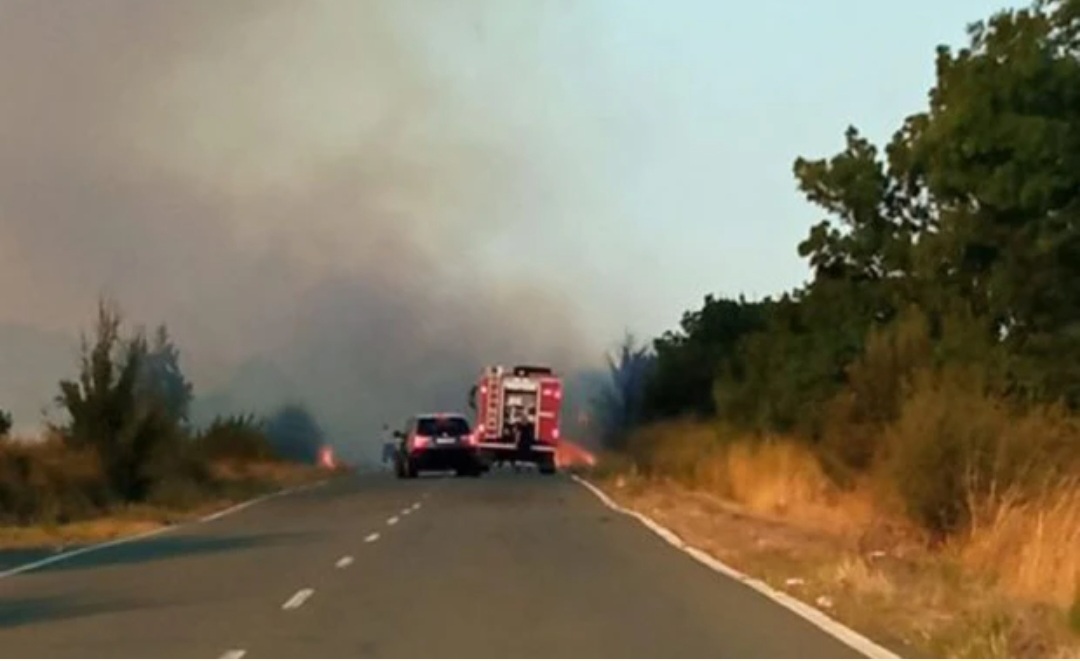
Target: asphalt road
{"x": 509, "y": 565}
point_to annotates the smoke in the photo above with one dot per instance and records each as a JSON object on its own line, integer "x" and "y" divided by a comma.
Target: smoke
{"x": 298, "y": 189}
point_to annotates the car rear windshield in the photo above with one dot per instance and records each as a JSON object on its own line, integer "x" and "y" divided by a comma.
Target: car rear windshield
{"x": 449, "y": 426}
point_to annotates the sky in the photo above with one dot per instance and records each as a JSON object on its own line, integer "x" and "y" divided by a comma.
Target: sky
{"x": 358, "y": 204}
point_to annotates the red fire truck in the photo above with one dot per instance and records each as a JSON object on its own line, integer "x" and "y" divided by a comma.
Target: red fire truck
{"x": 517, "y": 415}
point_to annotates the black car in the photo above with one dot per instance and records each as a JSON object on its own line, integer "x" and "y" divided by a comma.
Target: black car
{"x": 437, "y": 442}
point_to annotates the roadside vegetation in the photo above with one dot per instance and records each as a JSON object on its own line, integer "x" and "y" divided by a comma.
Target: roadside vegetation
{"x": 914, "y": 409}
{"x": 126, "y": 456}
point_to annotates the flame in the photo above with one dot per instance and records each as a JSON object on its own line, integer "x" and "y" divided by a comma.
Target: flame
{"x": 326, "y": 457}
{"x": 571, "y": 454}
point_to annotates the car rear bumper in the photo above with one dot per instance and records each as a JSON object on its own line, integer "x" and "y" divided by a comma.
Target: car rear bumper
{"x": 433, "y": 459}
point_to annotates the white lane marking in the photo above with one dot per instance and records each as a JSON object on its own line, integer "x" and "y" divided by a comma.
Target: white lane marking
{"x": 848, "y": 636}
{"x": 297, "y": 600}
{"x": 392, "y": 521}
{"x": 241, "y": 506}
{"x": 415, "y": 506}
{"x": 372, "y": 537}
{"x": 406, "y": 512}
{"x": 234, "y": 654}
{"x": 344, "y": 562}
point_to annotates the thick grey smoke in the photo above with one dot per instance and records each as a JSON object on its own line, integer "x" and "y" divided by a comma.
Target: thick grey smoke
{"x": 293, "y": 187}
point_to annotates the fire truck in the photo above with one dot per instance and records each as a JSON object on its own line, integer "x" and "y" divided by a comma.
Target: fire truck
{"x": 517, "y": 415}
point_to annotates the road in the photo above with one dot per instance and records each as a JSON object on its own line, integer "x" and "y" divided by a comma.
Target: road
{"x": 510, "y": 565}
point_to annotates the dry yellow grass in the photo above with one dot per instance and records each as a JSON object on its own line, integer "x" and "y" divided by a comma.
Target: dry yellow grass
{"x": 1032, "y": 547}
{"x": 1000, "y": 589}
{"x": 769, "y": 477}
{"x": 135, "y": 519}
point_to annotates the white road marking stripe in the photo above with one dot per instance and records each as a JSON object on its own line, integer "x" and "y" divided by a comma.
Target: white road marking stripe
{"x": 344, "y": 562}
{"x": 848, "y": 636}
{"x": 391, "y": 521}
{"x": 406, "y": 512}
{"x": 415, "y": 506}
{"x": 234, "y": 654}
{"x": 372, "y": 537}
{"x": 298, "y": 599}
{"x": 241, "y": 506}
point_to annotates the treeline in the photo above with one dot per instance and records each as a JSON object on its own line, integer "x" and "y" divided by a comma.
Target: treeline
{"x": 127, "y": 437}
{"x": 938, "y": 341}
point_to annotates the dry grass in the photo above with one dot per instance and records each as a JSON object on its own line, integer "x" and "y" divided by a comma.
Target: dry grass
{"x": 1002, "y": 589}
{"x": 239, "y": 482}
{"x": 768, "y": 477}
{"x": 1032, "y": 547}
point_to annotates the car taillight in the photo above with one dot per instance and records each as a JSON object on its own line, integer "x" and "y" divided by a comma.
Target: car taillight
{"x": 420, "y": 442}
{"x": 473, "y": 439}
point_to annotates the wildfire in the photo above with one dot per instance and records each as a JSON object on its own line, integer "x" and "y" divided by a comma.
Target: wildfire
{"x": 571, "y": 454}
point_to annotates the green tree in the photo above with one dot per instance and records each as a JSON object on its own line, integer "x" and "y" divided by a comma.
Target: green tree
{"x": 162, "y": 378}
{"x": 130, "y": 431}
{"x": 688, "y": 360}
{"x": 5, "y": 423}
{"x": 619, "y": 404}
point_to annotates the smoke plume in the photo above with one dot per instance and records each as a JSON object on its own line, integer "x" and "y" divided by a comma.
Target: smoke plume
{"x": 297, "y": 189}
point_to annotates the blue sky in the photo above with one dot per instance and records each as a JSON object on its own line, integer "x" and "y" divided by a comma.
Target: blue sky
{"x": 686, "y": 117}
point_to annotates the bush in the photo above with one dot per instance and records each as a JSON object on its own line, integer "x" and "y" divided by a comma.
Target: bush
{"x": 294, "y": 434}
{"x": 955, "y": 446}
{"x": 50, "y": 483}
{"x": 235, "y": 438}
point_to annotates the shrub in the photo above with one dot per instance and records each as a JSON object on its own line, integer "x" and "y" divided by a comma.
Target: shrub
{"x": 235, "y": 438}
{"x": 956, "y": 445}
{"x": 50, "y": 483}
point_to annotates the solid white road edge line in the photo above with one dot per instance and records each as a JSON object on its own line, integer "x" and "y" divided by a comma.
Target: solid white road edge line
{"x": 298, "y": 599}
{"x": 66, "y": 555}
{"x": 372, "y": 537}
{"x": 344, "y": 562}
{"x": 850, "y": 637}
{"x": 392, "y": 521}
{"x": 234, "y": 654}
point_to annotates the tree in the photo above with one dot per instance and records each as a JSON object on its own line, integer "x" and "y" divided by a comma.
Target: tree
{"x": 5, "y": 423}
{"x": 688, "y": 360}
{"x": 129, "y": 430}
{"x": 294, "y": 434}
{"x": 161, "y": 377}
{"x": 619, "y": 405}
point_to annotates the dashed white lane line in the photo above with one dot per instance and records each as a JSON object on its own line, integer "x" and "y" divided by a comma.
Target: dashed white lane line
{"x": 406, "y": 512}
{"x": 298, "y": 599}
{"x": 415, "y": 506}
{"x": 234, "y": 654}
{"x": 372, "y": 537}
{"x": 344, "y": 562}
{"x": 392, "y": 521}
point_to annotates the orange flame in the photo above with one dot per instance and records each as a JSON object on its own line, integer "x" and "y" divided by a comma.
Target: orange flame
{"x": 571, "y": 454}
{"x": 326, "y": 457}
